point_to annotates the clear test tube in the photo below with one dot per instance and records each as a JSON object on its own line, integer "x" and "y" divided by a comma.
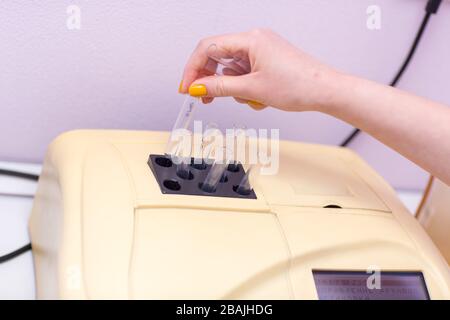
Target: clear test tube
{"x": 216, "y": 173}
{"x": 202, "y": 153}
{"x": 183, "y": 168}
{"x": 178, "y": 148}
{"x": 239, "y": 145}
{"x": 235, "y": 64}
{"x": 244, "y": 187}
{"x": 181, "y": 127}
{"x": 213, "y": 178}
{"x": 211, "y": 130}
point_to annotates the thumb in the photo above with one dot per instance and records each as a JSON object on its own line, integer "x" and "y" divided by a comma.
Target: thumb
{"x": 223, "y": 86}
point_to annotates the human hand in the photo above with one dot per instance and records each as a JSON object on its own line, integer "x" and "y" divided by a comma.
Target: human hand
{"x": 272, "y": 73}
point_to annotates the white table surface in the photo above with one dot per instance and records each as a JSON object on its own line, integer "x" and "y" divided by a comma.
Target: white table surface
{"x": 17, "y": 276}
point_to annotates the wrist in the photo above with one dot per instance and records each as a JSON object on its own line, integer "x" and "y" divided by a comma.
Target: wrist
{"x": 337, "y": 90}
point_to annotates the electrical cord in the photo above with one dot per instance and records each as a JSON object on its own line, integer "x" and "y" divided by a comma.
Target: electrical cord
{"x": 18, "y": 174}
{"x": 15, "y": 253}
{"x": 27, "y": 247}
{"x": 430, "y": 9}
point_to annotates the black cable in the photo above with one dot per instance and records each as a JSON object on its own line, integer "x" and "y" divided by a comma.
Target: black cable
{"x": 431, "y": 8}
{"x": 15, "y": 253}
{"x": 18, "y": 174}
{"x": 27, "y": 247}
{"x": 400, "y": 72}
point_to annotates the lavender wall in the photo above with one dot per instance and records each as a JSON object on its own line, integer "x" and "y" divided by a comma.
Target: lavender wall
{"x": 122, "y": 69}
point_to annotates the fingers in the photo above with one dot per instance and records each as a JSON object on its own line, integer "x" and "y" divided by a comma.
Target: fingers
{"x": 225, "y": 46}
{"x": 239, "y": 87}
{"x": 236, "y": 81}
{"x": 207, "y": 100}
{"x": 253, "y": 104}
{"x": 224, "y": 86}
{"x": 240, "y": 100}
{"x": 256, "y": 105}
{"x": 230, "y": 72}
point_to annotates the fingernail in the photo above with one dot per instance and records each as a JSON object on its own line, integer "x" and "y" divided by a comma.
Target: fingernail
{"x": 180, "y": 87}
{"x": 197, "y": 90}
{"x": 255, "y": 104}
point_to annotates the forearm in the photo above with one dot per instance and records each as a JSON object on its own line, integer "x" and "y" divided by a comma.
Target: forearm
{"x": 284, "y": 77}
{"x": 417, "y": 128}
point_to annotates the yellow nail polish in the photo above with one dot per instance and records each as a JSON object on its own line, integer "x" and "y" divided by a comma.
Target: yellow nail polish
{"x": 197, "y": 90}
{"x": 256, "y": 104}
{"x": 180, "y": 87}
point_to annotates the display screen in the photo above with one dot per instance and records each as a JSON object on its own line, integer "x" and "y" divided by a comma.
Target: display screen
{"x": 356, "y": 285}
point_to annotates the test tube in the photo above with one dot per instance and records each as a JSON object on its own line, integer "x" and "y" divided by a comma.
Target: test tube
{"x": 203, "y": 151}
{"x": 181, "y": 126}
{"x": 244, "y": 188}
{"x": 176, "y": 147}
{"x": 183, "y": 170}
{"x": 211, "y": 130}
{"x": 239, "y": 145}
{"x": 236, "y": 63}
{"x": 213, "y": 178}
{"x": 216, "y": 173}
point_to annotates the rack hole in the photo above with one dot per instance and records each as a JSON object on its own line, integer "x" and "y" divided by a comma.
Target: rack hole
{"x": 241, "y": 192}
{"x": 199, "y": 166}
{"x": 208, "y": 189}
{"x": 233, "y": 167}
{"x": 224, "y": 179}
{"x": 172, "y": 185}
{"x": 163, "y": 162}
{"x": 333, "y": 206}
{"x": 185, "y": 174}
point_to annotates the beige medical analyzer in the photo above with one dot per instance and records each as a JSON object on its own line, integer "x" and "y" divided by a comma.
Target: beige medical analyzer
{"x": 325, "y": 227}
